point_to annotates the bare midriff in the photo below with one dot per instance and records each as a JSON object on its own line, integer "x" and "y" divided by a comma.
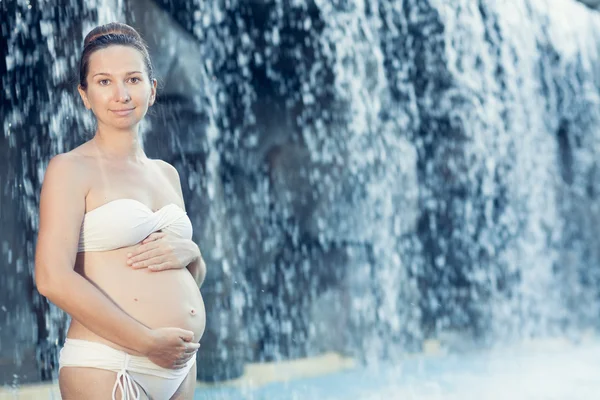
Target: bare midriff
{"x": 161, "y": 299}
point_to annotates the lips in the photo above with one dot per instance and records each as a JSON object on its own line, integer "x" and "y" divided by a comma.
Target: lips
{"x": 124, "y": 112}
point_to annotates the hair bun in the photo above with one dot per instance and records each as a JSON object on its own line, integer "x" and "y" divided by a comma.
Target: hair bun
{"x": 112, "y": 28}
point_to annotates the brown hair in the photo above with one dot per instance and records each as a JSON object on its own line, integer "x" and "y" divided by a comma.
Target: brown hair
{"x": 103, "y": 36}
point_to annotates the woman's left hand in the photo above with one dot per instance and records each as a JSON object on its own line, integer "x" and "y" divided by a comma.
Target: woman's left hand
{"x": 159, "y": 252}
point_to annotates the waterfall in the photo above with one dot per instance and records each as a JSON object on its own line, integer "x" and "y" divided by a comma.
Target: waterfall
{"x": 362, "y": 175}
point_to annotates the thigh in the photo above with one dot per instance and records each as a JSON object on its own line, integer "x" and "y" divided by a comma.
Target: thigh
{"x": 188, "y": 386}
{"x": 88, "y": 383}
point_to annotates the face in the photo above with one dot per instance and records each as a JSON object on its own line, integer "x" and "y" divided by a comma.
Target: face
{"x": 119, "y": 91}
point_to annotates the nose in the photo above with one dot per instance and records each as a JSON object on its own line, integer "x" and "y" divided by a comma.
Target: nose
{"x": 122, "y": 94}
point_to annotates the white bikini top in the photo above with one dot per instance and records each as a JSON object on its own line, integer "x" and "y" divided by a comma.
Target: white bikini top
{"x": 125, "y": 222}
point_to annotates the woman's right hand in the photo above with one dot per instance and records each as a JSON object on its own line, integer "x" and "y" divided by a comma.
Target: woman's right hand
{"x": 171, "y": 347}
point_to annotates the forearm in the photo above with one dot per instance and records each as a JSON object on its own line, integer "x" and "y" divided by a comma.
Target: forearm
{"x": 197, "y": 267}
{"x": 85, "y": 303}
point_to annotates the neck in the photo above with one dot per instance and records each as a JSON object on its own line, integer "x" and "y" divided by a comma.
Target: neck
{"x": 119, "y": 144}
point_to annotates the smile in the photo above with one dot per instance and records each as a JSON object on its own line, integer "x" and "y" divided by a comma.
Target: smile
{"x": 123, "y": 113}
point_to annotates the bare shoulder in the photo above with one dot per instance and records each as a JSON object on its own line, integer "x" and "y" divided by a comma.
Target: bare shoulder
{"x": 172, "y": 176}
{"x": 75, "y": 164}
{"x": 66, "y": 166}
{"x": 66, "y": 178}
{"x": 169, "y": 171}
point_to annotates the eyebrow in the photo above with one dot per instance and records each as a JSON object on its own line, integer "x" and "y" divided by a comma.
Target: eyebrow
{"x": 107, "y": 74}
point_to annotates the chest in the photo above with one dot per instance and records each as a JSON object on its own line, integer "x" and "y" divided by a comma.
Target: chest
{"x": 146, "y": 184}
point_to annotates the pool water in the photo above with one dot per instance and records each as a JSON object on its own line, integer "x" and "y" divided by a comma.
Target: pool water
{"x": 537, "y": 371}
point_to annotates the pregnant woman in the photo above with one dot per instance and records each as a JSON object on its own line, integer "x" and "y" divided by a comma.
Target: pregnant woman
{"x": 114, "y": 248}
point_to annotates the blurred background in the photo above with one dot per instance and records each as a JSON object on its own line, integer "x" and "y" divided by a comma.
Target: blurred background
{"x": 365, "y": 177}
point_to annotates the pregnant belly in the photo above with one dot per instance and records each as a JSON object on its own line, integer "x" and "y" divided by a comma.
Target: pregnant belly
{"x": 157, "y": 299}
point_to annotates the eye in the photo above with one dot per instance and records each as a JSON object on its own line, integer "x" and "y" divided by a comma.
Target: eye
{"x": 103, "y": 82}
{"x": 134, "y": 79}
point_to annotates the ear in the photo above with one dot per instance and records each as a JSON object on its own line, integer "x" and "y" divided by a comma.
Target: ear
{"x": 153, "y": 92}
{"x": 83, "y": 95}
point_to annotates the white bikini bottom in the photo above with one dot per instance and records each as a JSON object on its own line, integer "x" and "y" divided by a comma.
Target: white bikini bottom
{"x": 134, "y": 373}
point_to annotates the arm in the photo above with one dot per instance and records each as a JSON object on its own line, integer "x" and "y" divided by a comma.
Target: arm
{"x": 62, "y": 206}
{"x": 159, "y": 252}
{"x": 197, "y": 267}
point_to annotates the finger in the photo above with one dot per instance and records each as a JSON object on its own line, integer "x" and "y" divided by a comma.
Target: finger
{"x": 147, "y": 263}
{"x": 193, "y": 345}
{"x": 141, "y": 249}
{"x": 178, "y": 365}
{"x": 189, "y": 358}
{"x": 161, "y": 266}
{"x": 150, "y": 238}
{"x": 150, "y": 253}
{"x": 153, "y": 237}
{"x": 184, "y": 360}
{"x": 185, "y": 335}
